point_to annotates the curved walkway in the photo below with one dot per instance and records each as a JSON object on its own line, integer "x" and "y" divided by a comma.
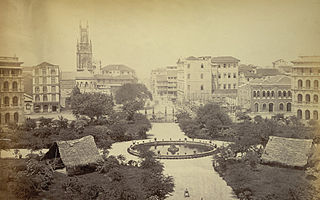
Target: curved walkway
{"x": 197, "y": 175}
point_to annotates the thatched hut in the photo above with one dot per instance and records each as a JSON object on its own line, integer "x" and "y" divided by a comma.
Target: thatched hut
{"x": 288, "y": 152}
{"x": 78, "y": 156}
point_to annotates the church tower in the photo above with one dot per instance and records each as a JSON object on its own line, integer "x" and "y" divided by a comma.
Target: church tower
{"x": 84, "y": 50}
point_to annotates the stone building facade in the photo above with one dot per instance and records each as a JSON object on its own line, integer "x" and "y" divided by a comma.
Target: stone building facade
{"x": 46, "y": 88}
{"x": 11, "y": 91}
{"x": 305, "y": 87}
{"x": 271, "y": 95}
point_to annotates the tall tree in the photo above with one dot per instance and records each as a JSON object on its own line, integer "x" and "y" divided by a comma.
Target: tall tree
{"x": 93, "y": 105}
{"x": 133, "y": 97}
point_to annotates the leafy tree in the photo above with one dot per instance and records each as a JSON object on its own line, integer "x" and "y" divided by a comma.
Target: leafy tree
{"x": 133, "y": 97}
{"x": 93, "y": 105}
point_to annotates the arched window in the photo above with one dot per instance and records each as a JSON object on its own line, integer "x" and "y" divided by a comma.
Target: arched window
{"x": 281, "y": 106}
{"x": 284, "y": 93}
{"x": 272, "y": 93}
{"x": 256, "y": 107}
{"x": 299, "y": 114}
{"x": 315, "y": 115}
{"x": 7, "y": 118}
{"x": 316, "y": 84}
{"x": 279, "y": 93}
{"x": 307, "y": 83}
{"x": 258, "y": 93}
{"x": 86, "y": 84}
{"x": 15, "y": 86}
{"x": 307, "y": 98}
{"x": 307, "y": 113}
{"x": 201, "y": 76}
{"x": 45, "y": 97}
{"x": 37, "y": 89}
{"x": 15, "y": 101}
{"x": 254, "y": 93}
{"x": 45, "y": 108}
{"x": 288, "y": 107}
{"x": 268, "y": 94}
{"x": 6, "y": 101}
{"x": 263, "y": 93}
{"x": 37, "y": 98}
{"x": 315, "y": 98}
{"x": 300, "y": 84}
{"x": 16, "y": 117}
{"x": 299, "y": 98}
{"x": 201, "y": 87}
{"x": 264, "y": 107}
{"x": 45, "y": 89}
{"x": 270, "y": 107}
{"x": 6, "y": 86}
{"x": 289, "y": 93}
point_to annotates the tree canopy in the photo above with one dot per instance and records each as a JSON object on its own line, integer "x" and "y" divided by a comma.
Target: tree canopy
{"x": 93, "y": 105}
{"x": 133, "y": 97}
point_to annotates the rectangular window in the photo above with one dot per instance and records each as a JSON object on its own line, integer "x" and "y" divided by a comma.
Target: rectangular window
{"x": 53, "y": 97}
{"x": 44, "y": 80}
{"x": 44, "y": 72}
{"x": 224, "y": 75}
{"x": 36, "y": 80}
{"x": 234, "y": 75}
{"x": 229, "y": 75}
{"x": 53, "y": 89}
{"x": 219, "y": 75}
{"x": 37, "y": 72}
{"x": 234, "y": 86}
{"x": 201, "y": 76}
{"x": 53, "y": 79}
{"x": 201, "y": 87}
{"x": 224, "y": 65}
{"x": 224, "y": 86}
{"x": 229, "y": 86}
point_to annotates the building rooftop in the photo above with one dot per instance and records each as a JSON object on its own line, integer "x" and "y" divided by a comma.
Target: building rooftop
{"x": 224, "y": 59}
{"x": 10, "y": 61}
{"x": 268, "y": 72}
{"x": 273, "y": 80}
{"x": 307, "y": 59}
{"x": 44, "y": 64}
{"x": 119, "y": 67}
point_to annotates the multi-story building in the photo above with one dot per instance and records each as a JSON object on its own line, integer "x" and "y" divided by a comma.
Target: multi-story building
{"x": 201, "y": 79}
{"x": 270, "y": 95}
{"x": 105, "y": 80}
{"x": 164, "y": 83}
{"x": 283, "y": 66}
{"x": 159, "y": 84}
{"x": 172, "y": 83}
{"x": 225, "y": 71}
{"x": 46, "y": 88}
{"x": 194, "y": 79}
{"x": 305, "y": 87}
{"x": 11, "y": 91}
{"x": 67, "y": 83}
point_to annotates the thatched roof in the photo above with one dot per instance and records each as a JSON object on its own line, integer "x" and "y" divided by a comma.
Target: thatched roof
{"x": 75, "y": 153}
{"x": 287, "y": 151}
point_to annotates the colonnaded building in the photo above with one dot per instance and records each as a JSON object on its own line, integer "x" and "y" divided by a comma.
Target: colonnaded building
{"x": 305, "y": 87}
{"x": 11, "y": 91}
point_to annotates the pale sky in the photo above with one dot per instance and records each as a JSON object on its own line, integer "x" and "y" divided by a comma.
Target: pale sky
{"x": 147, "y": 34}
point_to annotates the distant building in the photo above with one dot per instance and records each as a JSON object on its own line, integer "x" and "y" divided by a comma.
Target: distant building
{"x": 104, "y": 80}
{"x": 159, "y": 84}
{"x": 67, "y": 83}
{"x": 305, "y": 87}
{"x": 202, "y": 79}
{"x": 28, "y": 104}
{"x": 283, "y": 66}
{"x": 164, "y": 83}
{"x": 11, "y": 91}
{"x": 267, "y": 96}
{"x": 46, "y": 88}
{"x": 27, "y": 79}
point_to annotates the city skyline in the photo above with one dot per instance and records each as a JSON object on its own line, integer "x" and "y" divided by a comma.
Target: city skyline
{"x": 145, "y": 35}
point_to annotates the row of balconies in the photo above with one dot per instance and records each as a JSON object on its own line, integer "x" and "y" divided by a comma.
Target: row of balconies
{"x": 9, "y": 76}
{"x": 11, "y": 90}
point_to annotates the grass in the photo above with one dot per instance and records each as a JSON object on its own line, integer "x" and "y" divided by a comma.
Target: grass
{"x": 268, "y": 182}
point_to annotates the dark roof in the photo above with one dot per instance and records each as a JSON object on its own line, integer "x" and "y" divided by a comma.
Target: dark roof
{"x": 192, "y": 58}
{"x": 224, "y": 59}
{"x": 45, "y": 64}
{"x": 268, "y": 72}
{"x": 289, "y": 152}
{"x": 124, "y": 77}
{"x": 117, "y": 67}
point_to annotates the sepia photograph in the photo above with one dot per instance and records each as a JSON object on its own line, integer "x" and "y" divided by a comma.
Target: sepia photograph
{"x": 159, "y": 99}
